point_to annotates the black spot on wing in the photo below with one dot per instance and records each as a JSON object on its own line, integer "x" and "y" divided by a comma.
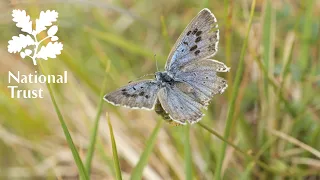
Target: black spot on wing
{"x": 146, "y": 96}
{"x": 198, "y": 33}
{"x": 141, "y": 93}
{"x": 198, "y": 39}
{"x": 188, "y": 33}
{"x": 212, "y": 47}
{"x": 197, "y": 52}
{"x": 216, "y": 35}
{"x": 126, "y": 94}
{"x": 193, "y": 47}
{"x": 194, "y": 31}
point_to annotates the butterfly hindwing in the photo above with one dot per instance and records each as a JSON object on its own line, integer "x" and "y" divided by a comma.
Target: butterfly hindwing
{"x": 198, "y": 41}
{"x": 180, "y": 107}
{"x": 201, "y": 76}
{"x": 165, "y": 116}
{"x": 140, "y": 94}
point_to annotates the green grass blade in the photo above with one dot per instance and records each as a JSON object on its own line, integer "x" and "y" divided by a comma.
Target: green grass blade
{"x": 267, "y": 57}
{"x": 250, "y": 167}
{"x": 307, "y": 32}
{"x": 138, "y": 170}
{"x": 165, "y": 33}
{"x": 76, "y": 157}
{"x": 273, "y": 83}
{"x": 93, "y": 137}
{"x": 106, "y": 158}
{"x": 114, "y": 152}
{"x": 246, "y": 174}
{"x": 235, "y": 92}
{"x": 122, "y": 43}
{"x": 228, "y": 39}
{"x": 266, "y": 40}
{"x": 220, "y": 137}
{"x": 286, "y": 61}
{"x": 187, "y": 153}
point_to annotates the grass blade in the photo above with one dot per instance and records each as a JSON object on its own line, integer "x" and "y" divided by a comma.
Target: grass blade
{"x": 114, "y": 152}
{"x": 236, "y": 85}
{"x": 273, "y": 83}
{"x": 94, "y": 133}
{"x": 268, "y": 101}
{"x": 228, "y": 39}
{"x": 295, "y": 142}
{"x": 138, "y": 170}
{"x": 187, "y": 153}
{"x": 251, "y": 157}
{"x": 307, "y": 33}
{"x": 220, "y": 137}
{"x": 121, "y": 42}
{"x": 165, "y": 33}
{"x": 267, "y": 38}
{"x": 82, "y": 172}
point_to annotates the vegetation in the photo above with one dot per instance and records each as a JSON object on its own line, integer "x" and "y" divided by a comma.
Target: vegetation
{"x": 265, "y": 126}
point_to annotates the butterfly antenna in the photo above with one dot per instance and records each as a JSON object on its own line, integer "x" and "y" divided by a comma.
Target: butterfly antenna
{"x": 149, "y": 74}
{"x": 156, "y": 62}
{"x": 142, "y": 77}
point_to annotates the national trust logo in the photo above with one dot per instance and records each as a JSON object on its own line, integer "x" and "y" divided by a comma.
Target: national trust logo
{"x": 38, "y": 43}
{"x": 29, "y": 45}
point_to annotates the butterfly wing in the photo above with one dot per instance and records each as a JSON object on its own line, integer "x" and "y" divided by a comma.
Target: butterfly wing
{"x": 202, "y": 77}
{"x": 165, "y": 116}
{"x": 141, "y": 94}
{"x": 198, "y": 41}
{"x": 180, "y": 107}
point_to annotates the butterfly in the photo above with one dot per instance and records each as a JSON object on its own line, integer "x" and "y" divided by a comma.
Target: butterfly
{"x": 189, "y": 80}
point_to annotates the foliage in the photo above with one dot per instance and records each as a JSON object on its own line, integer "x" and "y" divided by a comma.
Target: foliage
{"x": 272, "y": 133}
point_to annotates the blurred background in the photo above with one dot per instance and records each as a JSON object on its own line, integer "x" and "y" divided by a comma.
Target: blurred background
{"x": 108, "y": 43}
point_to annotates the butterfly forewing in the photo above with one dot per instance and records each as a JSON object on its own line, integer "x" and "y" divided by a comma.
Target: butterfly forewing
{"x": 198, "y": 41}
{"x": 140, "y": 94}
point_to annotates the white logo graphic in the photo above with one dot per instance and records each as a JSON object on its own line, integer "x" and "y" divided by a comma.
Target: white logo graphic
{"x": 22, "y": 42}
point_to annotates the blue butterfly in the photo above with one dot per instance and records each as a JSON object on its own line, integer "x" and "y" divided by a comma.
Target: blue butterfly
{"x": 190, "y": 78}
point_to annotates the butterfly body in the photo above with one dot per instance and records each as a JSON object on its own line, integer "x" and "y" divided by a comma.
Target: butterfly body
{"x": 189, "y": 81}
{"x": 164, "y": 78}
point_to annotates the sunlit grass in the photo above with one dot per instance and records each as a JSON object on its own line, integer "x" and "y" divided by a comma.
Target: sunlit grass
{"x": 114, "y": 152}
{"x": 265, "y": 126}
{"x": 143, "y": 160}
{"x": 93, "y": 138}
{"x": 82, "y": 171}
{"x": 235, "y": 91}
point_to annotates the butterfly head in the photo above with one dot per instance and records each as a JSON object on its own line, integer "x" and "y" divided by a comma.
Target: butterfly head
{"x": 164, "y": 77}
